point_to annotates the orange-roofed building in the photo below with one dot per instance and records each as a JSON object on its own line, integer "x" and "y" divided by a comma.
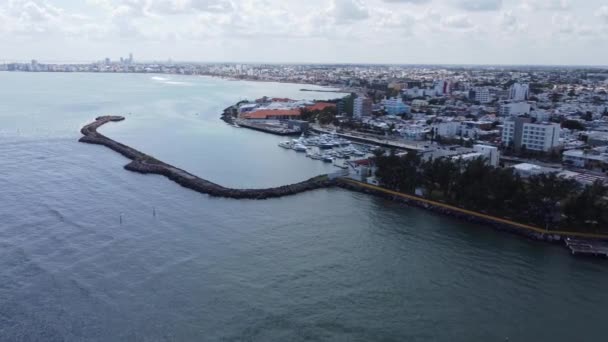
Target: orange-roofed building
{"x": 321, "y": 106}
{"x": 269, "y": 114}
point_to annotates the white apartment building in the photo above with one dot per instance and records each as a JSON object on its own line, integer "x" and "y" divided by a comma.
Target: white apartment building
{"x": 491, "y": 153}
{"x": 519, "y": 92}
{"x": 362, "y": 107}
{"x": 482, "y": 95}
{"x": 447, "y": 129}
{"x": 515, "y": 109}
{"x": 534, "y": 136}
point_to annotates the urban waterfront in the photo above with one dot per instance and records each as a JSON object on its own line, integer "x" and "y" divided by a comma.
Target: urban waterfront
{"x": 323, "y": 265}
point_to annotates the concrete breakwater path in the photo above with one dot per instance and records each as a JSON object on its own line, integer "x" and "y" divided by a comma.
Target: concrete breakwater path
{"x": 145, "y": 164}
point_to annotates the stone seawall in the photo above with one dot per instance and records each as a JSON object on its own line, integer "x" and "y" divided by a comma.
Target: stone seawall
{"x": 145, "y": 164}
{"x": 447, "y": 210}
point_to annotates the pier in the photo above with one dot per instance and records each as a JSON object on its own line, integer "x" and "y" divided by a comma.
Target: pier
{"x": 371, "y": 140}
{"x": 587, "y": 247}
{"x": 145, "y": 164}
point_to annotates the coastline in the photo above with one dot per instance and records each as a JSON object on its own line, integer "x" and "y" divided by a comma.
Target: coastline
{"x": 334, "y": 89}
{"x": 145, "y": 164}
{"x": 498, "y": 223}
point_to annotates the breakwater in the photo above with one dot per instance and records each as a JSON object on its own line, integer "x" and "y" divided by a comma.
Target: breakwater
{"x": 145, "y": 164}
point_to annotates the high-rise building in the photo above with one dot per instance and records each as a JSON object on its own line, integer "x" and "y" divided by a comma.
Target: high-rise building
{"x": 519, "y": 92}
{"x": 362, "y": 107}
{"x": 130, "y": 58}
{"x": 520, "y": 132}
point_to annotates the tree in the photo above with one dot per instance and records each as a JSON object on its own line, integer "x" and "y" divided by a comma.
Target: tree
{"x": 544, "y": 193}
{"x": 574, "y": 125}
{"x": 588, "y": 209}
{"x": 556, "y": 97}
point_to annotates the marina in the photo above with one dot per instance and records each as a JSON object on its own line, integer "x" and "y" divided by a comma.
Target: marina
{"x": 327, "y": 148}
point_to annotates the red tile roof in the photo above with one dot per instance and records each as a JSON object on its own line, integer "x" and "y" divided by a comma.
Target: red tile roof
{"x": 321, "y": 106}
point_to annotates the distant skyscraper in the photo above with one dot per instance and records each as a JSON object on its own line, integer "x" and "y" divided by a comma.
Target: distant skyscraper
{"x": 519, "y": 92}
{"x": 130, "y": 58}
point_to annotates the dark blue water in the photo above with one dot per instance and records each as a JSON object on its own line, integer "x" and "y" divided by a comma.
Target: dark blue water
{"x": 327, "y": 265}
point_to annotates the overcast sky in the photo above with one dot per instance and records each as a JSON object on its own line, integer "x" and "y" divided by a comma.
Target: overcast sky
{"x": 318, "y": 31}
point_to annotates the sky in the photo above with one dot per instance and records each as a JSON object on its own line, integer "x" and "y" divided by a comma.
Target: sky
{"x": 545, "y": 32}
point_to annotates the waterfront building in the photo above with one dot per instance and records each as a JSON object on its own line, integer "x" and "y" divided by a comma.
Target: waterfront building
{"x": 273, "y": 114}
{"x": 362, "y": 107}
{"x": 515, "y": 109}
{"x": 520, "y": 132}
{"x": 395, "y": 106}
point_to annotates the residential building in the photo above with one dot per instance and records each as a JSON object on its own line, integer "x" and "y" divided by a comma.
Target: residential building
{"x": 596, "y": 159}
{"x": 520, "y": 132}
{"x": 395, "y": 106}
{"x": 491, "y": 153}
{"x": 519, "y": 92}
{"x": 447, "y": 129}
{"x": 515, "y": 109}
{"x": 362, "y": 107}
{"x": 481, "y": 95}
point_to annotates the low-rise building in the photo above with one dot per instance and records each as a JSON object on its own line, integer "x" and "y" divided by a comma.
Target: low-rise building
{"x": 395, "y": 106}
{"x": 594, "y": 159}
{"x": 521, "y": 132}
{"x": 491, "y": 153}
{"x": 514, "y": 109}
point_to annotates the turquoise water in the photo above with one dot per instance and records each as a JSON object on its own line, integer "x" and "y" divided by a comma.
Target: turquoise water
{"x": 326, "y": 265}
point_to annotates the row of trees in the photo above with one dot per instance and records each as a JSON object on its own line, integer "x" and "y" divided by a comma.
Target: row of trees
{"x": 324, "y": 117}
{"x": 544, "y": 200}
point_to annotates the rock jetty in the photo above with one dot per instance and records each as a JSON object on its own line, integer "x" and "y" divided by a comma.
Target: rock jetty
{"x": 145, "y": 164}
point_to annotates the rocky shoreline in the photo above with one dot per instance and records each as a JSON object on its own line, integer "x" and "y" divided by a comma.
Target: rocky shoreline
{"x": 145, "y": 164}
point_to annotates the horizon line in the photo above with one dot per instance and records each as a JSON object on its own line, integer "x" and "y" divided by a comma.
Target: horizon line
{"x": 144, "y": 61}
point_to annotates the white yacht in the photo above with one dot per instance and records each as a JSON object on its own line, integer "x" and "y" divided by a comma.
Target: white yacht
{"x": 299, "y": 148}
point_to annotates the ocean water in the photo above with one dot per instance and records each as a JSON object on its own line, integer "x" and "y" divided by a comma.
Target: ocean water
{"x": 84, "y": 258}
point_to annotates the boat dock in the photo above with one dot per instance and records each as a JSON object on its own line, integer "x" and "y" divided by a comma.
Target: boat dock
{"x": 372, "y": 140}
{"x": 587, "y": 247}
{"x": 268, "y": 127}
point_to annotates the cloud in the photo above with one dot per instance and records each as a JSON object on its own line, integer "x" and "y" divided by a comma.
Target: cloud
{"x": 479, "y": 5}
{"x": 546, "y": 5}
{"x": 345, "y": 11}
{"x": 510, "y": 23}
{"x": 188, "y": 6}
{"x": 602, "y": 13}
{"x": 459, "y": 22}
{"x": 407, "y": 1}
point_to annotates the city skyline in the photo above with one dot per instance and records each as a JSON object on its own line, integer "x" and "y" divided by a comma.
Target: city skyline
{"x": 453, "y": 32}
